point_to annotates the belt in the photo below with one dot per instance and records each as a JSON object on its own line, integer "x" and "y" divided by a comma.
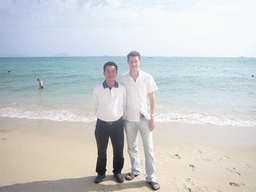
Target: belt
{"x": 111, "y": 122}
{"x": 142, "y": 116}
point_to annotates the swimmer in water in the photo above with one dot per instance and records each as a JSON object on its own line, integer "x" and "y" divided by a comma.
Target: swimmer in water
{"x": 40, "y": 84}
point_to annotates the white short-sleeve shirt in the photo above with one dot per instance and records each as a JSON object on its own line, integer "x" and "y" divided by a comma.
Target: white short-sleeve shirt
{"x": 109, "y": 104}
{"x": 137, "y": 95}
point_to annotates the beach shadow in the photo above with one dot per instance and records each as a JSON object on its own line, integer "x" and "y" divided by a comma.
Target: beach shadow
{"x": 75, "y": 185}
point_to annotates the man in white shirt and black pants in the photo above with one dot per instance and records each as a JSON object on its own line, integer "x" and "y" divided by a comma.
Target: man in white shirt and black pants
{"x": 109, "y": 102}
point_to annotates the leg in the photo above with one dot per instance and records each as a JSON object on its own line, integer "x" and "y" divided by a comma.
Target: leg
{"x": 147, "y": 138}
{"x": 101, "y": 135}
{"x": 132, "y": 140}
{"x": 117, "y": 139}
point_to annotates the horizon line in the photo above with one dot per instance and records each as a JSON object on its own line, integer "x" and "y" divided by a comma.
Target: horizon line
{"x": 124, "y": 56}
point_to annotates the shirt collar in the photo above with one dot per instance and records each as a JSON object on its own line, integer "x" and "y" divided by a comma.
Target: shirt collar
{"x": 137, "y": 77}
{"x": 106, "y": 86}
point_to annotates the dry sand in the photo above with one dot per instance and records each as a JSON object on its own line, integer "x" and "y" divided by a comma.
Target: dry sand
{"x": 40, "y": 155}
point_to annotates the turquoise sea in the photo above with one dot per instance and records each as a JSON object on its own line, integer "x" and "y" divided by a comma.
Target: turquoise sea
{"x": 218, "y": 91}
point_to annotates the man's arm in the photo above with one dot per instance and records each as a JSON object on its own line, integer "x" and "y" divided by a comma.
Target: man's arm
{"x": 94, "y": 101}
{"x": 151, "y": 122}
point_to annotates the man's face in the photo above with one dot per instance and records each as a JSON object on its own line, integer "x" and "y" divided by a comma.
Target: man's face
{"x": 110, "y": 73}
{"x": 134, "y": 62}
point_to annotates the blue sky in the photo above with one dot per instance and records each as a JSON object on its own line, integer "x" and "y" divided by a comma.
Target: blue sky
{"x": 197, "y": 28}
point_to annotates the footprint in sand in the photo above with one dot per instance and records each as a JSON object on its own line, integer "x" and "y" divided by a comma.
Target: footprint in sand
{"x": 233, "y": 171}
{"x": 225, "y": 158}
{"x": 177, "y": 156}
{"x": 190, "y": 186}
{"x": 192, "y": 167}
{"x": 235, "y": 184}
{"x": 199, "y": 151}
{"x": 185, "y": 186}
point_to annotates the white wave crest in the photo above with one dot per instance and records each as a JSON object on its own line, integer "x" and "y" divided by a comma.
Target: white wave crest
{"x": 54, "y": 115}
{"x": 66, "y": 115}
{"x": 197, "y": 118}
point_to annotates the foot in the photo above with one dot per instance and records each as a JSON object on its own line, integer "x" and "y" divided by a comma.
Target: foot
{"x": 99, "y": 178}
{"x": 119, "y": 178}
{"x": 154, "y": 185}
{"x": 130, "y": 176}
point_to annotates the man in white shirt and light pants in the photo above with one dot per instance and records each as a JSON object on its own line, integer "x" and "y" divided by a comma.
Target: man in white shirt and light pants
{"x": 139, "y": 116}
{"x": 109, "y": 103}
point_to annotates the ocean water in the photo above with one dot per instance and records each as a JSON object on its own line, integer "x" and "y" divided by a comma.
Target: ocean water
{"x": 218, "y": 91}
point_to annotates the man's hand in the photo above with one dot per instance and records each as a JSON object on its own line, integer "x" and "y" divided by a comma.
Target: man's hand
{"x": 152, "y": 124}
{"x": 152, "y": 99}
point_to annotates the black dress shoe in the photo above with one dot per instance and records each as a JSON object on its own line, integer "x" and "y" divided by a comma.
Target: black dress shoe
{"x": 99, "y": 178}
{"x": 119, "y": 178}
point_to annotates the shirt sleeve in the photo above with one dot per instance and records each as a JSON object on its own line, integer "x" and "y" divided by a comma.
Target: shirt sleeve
{"x": 152, "y": 85}
{"x": 125, "y": 101}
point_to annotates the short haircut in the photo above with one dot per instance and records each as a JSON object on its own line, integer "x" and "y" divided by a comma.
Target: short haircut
{"x": 110, "y": 63}
{"x": 133, "y": 54}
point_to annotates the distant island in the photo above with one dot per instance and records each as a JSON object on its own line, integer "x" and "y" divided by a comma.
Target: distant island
{"x": 61, "y": 55}
{"x": 14, "y": 55}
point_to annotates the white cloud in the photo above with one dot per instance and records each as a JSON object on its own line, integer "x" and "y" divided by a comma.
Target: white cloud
{"x": 226, "y": 8}
{"x": 153, "y": 26}
{"x": 116, "y": 3}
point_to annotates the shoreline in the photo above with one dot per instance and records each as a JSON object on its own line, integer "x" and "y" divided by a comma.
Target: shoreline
{"x": 43, "y": 155}
{"x": 186, "y": 116}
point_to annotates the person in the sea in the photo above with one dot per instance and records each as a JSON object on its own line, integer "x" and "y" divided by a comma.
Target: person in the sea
{"x": 109, "y": 103}
{"x": 40, "y": 84}
{"x": 139, "y": 116}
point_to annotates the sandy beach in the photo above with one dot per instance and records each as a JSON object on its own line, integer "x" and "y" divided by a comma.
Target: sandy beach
{"x": 41, "y": 155}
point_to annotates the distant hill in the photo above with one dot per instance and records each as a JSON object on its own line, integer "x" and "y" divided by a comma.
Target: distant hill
{"x": 61, "y": 55}
{"x": 13, "y": 55}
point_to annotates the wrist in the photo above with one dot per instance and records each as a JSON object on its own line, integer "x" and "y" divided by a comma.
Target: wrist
{"x": 152, "y": 117}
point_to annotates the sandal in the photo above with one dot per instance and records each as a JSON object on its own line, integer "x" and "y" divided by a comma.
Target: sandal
{"x": 130, "y": 176}
{"x": 152, "y": 184}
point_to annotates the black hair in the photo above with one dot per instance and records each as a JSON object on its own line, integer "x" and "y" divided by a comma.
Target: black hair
{"x": 110, "y": 63}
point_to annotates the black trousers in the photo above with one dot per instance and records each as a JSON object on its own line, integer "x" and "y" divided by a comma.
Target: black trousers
{"x": 115, "y": 131}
